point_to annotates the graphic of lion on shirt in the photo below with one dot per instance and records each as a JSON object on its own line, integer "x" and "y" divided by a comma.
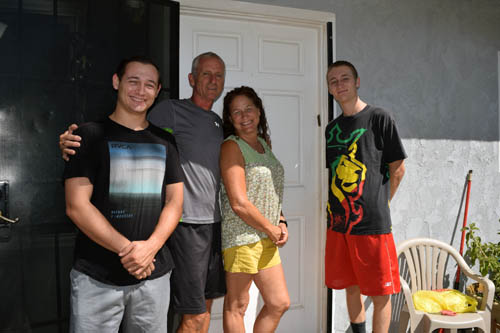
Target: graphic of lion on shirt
{"x": 348, "y": 179}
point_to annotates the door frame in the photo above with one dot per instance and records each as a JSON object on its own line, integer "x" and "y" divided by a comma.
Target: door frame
{"x": 318, "y": 21}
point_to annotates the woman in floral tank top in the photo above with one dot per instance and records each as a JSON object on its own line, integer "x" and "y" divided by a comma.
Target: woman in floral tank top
{"x": 253, "y": 226}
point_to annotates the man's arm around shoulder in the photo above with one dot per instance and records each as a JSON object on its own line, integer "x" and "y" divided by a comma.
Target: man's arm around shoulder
{"x": 138, "y": 255}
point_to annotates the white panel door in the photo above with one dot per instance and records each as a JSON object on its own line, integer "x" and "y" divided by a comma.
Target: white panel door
{"x": 281, "y": 61}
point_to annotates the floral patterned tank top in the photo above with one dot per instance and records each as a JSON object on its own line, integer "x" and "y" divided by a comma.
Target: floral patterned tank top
{"x": 264, "y": 178}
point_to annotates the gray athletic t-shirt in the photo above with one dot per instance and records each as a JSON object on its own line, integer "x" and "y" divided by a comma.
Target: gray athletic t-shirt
{"x": 198, "y": 134}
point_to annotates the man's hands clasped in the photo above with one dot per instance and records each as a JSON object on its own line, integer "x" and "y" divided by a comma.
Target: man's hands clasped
{"x": 138, "y": 259}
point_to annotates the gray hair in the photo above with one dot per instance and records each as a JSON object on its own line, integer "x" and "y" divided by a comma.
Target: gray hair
{"x": 196, "y": 62}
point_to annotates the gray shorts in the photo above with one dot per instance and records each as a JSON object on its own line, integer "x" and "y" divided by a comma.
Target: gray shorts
{"x": 100, "y": 307}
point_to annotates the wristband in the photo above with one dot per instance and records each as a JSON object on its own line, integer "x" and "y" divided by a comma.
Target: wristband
{"x": 284, "y": 222}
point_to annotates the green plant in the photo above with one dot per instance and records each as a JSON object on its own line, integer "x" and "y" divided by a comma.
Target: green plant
{"x": 487, "y": 254}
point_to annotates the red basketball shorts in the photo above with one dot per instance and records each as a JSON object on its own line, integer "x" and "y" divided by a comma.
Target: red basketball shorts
{"x": 368, "y": 261}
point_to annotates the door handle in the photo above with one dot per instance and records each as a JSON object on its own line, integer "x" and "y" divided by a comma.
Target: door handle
{"x": 7, "y": 219}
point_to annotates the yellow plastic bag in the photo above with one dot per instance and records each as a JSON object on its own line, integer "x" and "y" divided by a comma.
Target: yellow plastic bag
{"x": 433, "y": 301}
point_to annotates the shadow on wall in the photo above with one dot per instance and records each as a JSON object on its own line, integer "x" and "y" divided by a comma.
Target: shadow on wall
{"x": 434, "y": 65}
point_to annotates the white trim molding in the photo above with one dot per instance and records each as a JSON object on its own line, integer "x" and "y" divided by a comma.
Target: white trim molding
{"x": 253, "y": 11}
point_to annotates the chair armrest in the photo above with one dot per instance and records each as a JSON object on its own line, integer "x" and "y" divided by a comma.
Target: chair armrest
{"x": 407, "y": 295}
{"x": 488, "y": 286}
{"x": 488, "y": 290}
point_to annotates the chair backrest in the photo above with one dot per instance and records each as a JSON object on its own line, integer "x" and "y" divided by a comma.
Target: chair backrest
{"x": 426, "y": 262}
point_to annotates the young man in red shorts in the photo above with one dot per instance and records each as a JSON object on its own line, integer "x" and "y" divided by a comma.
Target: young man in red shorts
{"x": 365, "y": 158}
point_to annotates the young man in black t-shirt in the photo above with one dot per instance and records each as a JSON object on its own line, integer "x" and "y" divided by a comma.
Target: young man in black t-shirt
{"x": 365, "y": 158}
{"x": 124, "y": 192}
{"x": 199, "y": 275}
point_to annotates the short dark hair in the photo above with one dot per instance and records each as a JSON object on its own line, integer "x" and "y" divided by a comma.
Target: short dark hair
{"x": 248, "y": 92}
{"x": 122, "y": 66}
{"x": 196, "y": 62}
{"x": 339, "y": 63}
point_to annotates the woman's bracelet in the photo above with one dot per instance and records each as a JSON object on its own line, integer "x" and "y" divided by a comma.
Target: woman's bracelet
{"x": 284, "y": 222}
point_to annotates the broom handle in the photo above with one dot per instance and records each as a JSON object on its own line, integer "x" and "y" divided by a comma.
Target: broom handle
{"x": 462, "y": 241}
{"x": 469, "y": 175}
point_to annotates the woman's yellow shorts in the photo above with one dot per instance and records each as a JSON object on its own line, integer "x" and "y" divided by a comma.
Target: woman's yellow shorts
{"x": 251, "y": 258}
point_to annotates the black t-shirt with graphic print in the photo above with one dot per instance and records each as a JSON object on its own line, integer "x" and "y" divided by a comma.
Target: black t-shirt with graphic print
{"x": 129, "y": 171}
{"x": 358, "y": 150}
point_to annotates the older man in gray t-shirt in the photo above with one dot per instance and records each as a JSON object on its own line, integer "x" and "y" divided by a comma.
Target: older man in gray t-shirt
{"x": 196, "y": 241}
{"x": 198, "y": 276}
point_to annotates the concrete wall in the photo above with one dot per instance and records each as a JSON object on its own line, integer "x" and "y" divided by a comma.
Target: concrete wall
{"x": 434, "y": 64}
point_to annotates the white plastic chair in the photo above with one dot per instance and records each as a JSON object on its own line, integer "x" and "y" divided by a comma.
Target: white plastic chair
{"x": 425, "y": 265}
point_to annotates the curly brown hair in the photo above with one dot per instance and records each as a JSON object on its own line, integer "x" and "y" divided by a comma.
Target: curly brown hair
{"x": 227, "y": 125}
